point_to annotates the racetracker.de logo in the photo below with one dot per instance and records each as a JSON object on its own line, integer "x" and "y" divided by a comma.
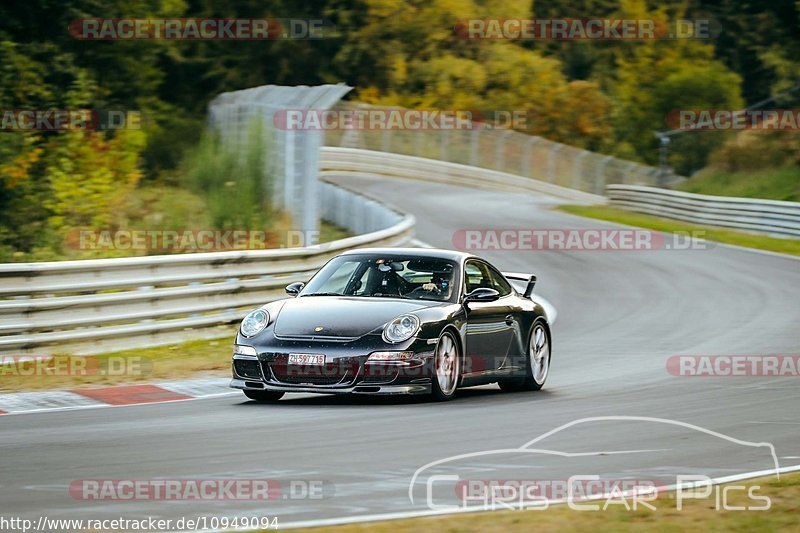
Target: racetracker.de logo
{"x": 514, "y": 491}
{"x": 68, "y": 119}
{"x": 576, "y": 240}
{"x": 197, "y": 29}
{"x": 73, "y": 366}
{"x": 597, "y": 29}
{"x": 734, "y": 365}
{"x": 199, "y": 489}
{"x": 377, "y": 119}
{"x": 187, "y": 240}
{"x": 734, "y": 119}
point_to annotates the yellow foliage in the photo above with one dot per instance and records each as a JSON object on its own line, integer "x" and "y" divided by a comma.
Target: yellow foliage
{"x": 18, "y": 169}
{"x": 91, "y": 178}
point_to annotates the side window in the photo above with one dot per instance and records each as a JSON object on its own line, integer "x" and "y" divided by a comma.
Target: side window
{"x": 472, "y": 276}
{"x": 498, "y": 282}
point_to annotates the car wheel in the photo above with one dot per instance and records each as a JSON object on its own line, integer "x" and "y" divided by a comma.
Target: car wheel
{"x": 263, "y": 396}
{"x": 446, "y": 368}
{"x": 537, "y": 362}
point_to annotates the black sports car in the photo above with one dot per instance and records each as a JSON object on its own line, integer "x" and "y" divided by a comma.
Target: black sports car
{"x": 396, "y": 321}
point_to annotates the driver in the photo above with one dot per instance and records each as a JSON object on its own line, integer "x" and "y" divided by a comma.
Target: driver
{"x": 438, "y": 286}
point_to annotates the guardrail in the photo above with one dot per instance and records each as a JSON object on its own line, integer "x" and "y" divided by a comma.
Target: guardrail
{"x": 500, "y": 149}
{"x": 101, "y": 305}
{"x": 354, "y": 161}
{"x": 772, "y": 217}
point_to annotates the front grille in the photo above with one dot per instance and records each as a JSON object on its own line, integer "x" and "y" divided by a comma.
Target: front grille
{"x": 247, "y": 368}
{"x": 341, "y": 372}
{"x": 380, "y": 374}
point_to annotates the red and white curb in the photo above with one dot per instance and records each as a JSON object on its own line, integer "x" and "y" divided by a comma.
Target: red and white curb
{"x": 161, "y": 392}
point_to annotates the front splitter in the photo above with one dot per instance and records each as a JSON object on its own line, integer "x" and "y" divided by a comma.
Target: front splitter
{"x": 414, "y": 388}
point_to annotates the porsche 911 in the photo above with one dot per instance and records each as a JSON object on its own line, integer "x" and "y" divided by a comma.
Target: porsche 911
{"x": 396, "y": 321}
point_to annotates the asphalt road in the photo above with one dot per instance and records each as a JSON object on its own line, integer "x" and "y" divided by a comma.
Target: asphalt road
{"x": 621, "y": 315}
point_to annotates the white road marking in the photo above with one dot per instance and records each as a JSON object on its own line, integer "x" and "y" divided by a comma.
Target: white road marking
{"x": 360, "y": 519}
{"x": 81, "y": 402}
{"x": 419, "y": 513}
{"x": 21, "y": 402}
{"x": 197, "y": 388}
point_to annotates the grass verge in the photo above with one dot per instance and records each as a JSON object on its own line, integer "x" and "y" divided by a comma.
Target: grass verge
{"x": 738, "y": 238}
{"x": 330, "y": 232}
{"x": 144, "y": 365}
{"x": 775, "y": 184}
{"x": 696, "y": 515}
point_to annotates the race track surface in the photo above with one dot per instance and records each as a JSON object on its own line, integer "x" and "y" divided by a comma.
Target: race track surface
{"x": 621, "y": 314}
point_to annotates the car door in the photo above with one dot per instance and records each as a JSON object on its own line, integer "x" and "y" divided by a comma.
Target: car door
{"x": 514, "y": 319}
{"x": 489, "y": 332}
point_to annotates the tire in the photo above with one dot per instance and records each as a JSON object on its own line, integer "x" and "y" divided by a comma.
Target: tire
{"x": 264, "y": 396}
{"x": 446, "y": 368}
{"x": 537, "y": 362}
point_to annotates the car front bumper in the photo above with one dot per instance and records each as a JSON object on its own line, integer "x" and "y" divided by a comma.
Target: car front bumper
{"x": 348, "y": 369}
{"x": 381, "y": 389}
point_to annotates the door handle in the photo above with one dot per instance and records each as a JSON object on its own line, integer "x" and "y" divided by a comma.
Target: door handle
{"x": 509, "y": 319}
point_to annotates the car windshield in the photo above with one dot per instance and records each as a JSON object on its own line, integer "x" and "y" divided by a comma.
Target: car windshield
{"x": 395, "y": 276}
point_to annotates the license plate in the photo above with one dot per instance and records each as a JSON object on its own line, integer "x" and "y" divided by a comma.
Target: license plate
{"x": 306, "y": 359}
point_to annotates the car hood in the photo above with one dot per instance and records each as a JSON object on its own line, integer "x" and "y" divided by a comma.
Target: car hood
{"x": 340, "y": 316}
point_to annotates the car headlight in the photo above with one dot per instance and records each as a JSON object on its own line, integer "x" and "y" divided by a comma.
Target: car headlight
{"x": 254, "y": 322}
{"x": 401, "y": 328}
{"x": 238, "y": 349}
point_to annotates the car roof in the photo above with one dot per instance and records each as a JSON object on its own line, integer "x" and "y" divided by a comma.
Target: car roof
{"x": 452, "y": 255}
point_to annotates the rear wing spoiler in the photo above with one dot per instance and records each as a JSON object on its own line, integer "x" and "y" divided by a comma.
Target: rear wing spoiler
{"x": 529, "y": 279}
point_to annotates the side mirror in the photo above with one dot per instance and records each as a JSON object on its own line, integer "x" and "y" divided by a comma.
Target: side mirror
{"x": 481, "y": 294}
{"x": 295, "y": 288}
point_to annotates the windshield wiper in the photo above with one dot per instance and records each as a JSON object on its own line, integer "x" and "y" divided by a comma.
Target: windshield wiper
{"x": 384, "y": 295}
